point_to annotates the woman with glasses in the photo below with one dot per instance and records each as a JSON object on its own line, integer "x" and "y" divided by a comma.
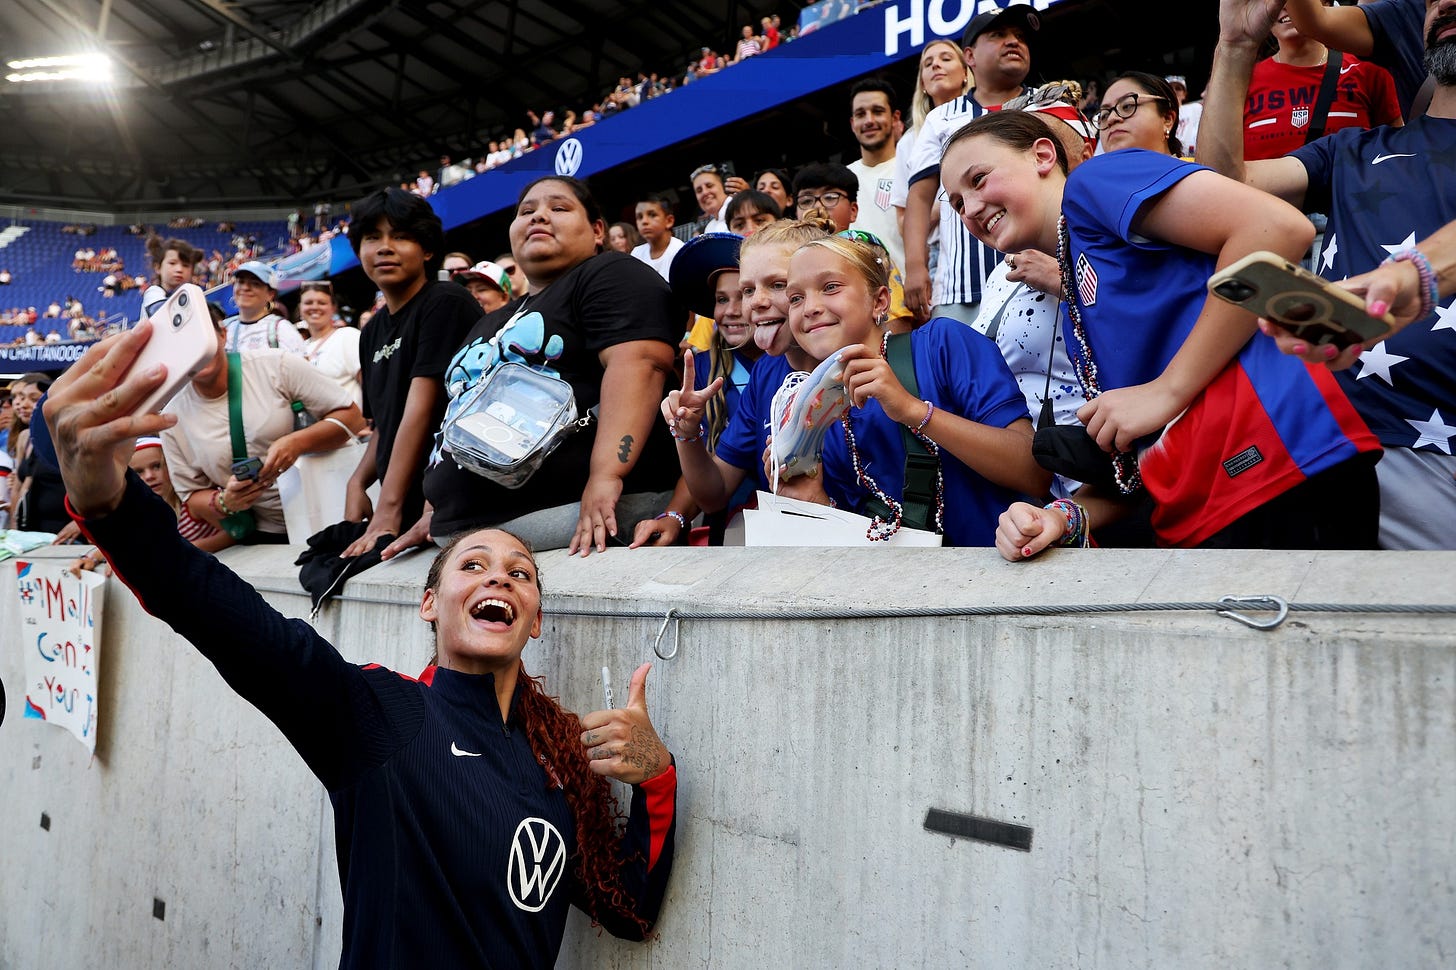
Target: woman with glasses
{"x": 332, "y": 349}
{"x": 1139, "y": 111}
{"x": 1261, "y": 454}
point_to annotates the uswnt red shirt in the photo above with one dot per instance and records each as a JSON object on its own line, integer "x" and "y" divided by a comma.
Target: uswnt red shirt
{"x": 1281, "y": 103}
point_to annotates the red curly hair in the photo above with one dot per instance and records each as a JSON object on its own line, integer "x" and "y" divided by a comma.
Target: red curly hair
{"x": 554, "y": 734}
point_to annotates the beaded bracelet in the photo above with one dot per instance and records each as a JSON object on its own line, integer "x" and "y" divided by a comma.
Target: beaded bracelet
{"x": 222, "y": 503}
{"x": 681, "y": 519}
{"x": 929, "y": 410}
{"x": 672, "y": 429}
{"x": 1076, "y": 534}
{"x": 1429, "y": 291}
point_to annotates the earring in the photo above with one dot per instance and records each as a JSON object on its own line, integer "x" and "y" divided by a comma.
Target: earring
{"x": 882, "y": 319}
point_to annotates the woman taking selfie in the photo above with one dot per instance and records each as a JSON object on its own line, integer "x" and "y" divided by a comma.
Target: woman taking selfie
{"x": 424, "y": 840}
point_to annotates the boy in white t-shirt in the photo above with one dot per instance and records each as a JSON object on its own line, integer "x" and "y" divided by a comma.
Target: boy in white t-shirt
{"x": 655, "y": 221}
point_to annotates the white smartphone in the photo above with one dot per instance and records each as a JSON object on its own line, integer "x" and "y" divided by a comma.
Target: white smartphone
{"x": 183, "y": 338}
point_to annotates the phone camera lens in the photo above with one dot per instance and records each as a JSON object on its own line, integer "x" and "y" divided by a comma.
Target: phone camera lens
{"x": 181, "y": 299}
{"x": 1236, "y": 291}
{"x": 177, "y": 321}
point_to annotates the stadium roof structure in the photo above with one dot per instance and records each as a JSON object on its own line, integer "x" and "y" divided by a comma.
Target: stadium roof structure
{"x": 273, "y": 102}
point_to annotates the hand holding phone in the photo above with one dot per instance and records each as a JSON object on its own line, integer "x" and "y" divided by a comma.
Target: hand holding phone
{"x": 1308, "y": 306}
{"x": 183, "y": 338}
{"x": 247, "y": 469}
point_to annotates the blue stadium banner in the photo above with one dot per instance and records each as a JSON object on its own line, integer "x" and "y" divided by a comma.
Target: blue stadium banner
{"x": 842, "y": 50}
{"x": 43, "y": 357}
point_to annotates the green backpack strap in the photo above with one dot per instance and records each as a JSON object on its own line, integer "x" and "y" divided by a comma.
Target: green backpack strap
{"x": 235, "y": 406}
{"x": 921, "y": 467}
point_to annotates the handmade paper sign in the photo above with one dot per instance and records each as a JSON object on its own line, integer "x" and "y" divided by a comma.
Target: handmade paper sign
{"x": 60, "y": 618}
{"x": 780, "y": 521}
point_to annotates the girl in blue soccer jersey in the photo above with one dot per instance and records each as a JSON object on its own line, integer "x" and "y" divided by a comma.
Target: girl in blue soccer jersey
{"x": 969, "y": 411}
{"x": 1237, "y": 445}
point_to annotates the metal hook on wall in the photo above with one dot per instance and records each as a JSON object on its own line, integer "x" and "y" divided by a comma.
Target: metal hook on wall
{"x": 1268, "y": 602}
{"x": 662, "y": 630}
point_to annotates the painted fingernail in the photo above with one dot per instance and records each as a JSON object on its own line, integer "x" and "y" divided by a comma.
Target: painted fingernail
{"x": 1300, "y": 349}
{"x": 1379, "y": 308}
{"x": 1330, "y": 351}
{"x": 1026, "y": 551}
{"x": 1359, "y": 349}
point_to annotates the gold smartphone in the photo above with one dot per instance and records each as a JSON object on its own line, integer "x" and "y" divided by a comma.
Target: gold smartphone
{"x": 1308, "y": 306}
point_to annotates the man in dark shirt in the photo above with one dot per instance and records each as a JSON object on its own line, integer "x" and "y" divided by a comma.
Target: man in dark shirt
{"x": 403, "y": 354}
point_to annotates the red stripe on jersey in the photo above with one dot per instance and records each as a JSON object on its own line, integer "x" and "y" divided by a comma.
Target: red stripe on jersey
{"x": 1220, "y": 460}
{"x": 661, "y": 804}
{"x": 1351, "y": 424}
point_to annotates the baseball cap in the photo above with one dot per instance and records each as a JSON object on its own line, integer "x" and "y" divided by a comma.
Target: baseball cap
{"x": 695, "y": 265}
{"x": 492, "y": 273}
{"x": 261, "y": 271}
{"x": 1177, "y": 79}
{"x": 1018, "y": 13}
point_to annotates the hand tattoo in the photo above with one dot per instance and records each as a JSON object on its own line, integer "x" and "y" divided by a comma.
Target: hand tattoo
{"x": 643, "y": 751}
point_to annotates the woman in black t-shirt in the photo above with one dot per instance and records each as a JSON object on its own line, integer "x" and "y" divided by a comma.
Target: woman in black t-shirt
{"x": 607, "y": 325}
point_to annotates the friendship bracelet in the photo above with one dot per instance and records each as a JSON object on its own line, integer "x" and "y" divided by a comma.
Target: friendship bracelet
{"x": 672, "y": 429}
{"x": 929, "y": 410}
{"x": 1076, "y": 534}
{"x": 1429, "y": 291}
{"x": 222, "y": 505}
{"x": 681, "y": 519}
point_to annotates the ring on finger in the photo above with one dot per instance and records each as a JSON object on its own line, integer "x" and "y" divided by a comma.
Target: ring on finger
{"x": 1011, "y": 261}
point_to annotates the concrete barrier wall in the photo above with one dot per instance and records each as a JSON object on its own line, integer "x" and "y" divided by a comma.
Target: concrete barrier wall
{"x": 1201, "y": 794}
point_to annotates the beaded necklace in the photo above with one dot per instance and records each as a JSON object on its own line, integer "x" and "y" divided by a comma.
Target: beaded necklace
{"x": 880, "y": 528}
{"x": 1124, "y": 464}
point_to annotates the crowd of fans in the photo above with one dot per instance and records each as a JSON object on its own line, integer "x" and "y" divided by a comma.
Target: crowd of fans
{"x": 994, "y": 325}
{"x": 1007, "y": 314}
{"x": 547, "y": 126}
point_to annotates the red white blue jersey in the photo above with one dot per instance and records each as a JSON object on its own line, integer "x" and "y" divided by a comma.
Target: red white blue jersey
{"x": 1386, "y": 189}
{"x": 961, "y": 372}
{"x": 1267, "y": 424}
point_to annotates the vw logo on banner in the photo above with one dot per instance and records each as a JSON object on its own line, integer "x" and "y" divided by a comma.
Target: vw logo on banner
{"x": 538, "y": 858}
{"x": 568, "y": 157}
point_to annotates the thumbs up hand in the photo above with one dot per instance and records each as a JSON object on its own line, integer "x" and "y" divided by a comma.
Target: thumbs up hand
{"x": 622, "y": 743}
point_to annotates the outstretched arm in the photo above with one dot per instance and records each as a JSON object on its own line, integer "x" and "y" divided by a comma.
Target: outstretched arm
{"x": 1243, "y": 25}
{"x": 281, "y": 666}
{"x": 1339, "y": 28}
{"x": 1395, "y": 287}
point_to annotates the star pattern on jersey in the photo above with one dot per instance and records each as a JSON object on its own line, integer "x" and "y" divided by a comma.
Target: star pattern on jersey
{"x": 1409, "y": 242}
{"x": 1435, "y": 432}
{"x": 1372, "y": 198}
{"x": 1377, "y": 362}
{"x": 1327, "y": 258}
{"x": 1445, "y": 318}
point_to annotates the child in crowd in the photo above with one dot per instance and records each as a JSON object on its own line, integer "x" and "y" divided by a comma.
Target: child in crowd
{"x": 969, "y": 412}
{"x": 654, "y": 222}
{"x": 1262, "y": 454}
{"x": 174, "y": 261}
{"x": 623, "y": 237}
{"x": 751, "y": 210}
{"x": 150, "y": 464}
{"x": 402, "y": 355}
{"x": 713, "y": 476}
{"x": 705, "y": 278}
